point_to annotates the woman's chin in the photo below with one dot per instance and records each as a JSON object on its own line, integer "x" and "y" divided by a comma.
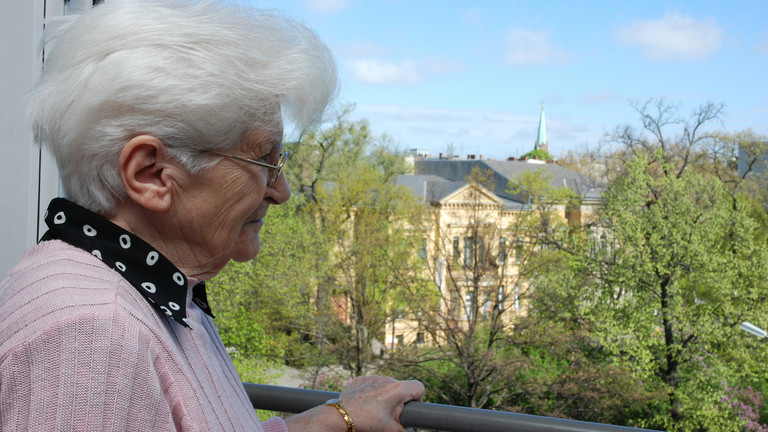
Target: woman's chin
{"x": 248, "y": 247}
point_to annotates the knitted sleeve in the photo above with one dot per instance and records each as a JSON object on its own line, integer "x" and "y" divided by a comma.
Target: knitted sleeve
{"x": 82, "y": 350}
{"x": 275, "y": 424}
{"x": 91, "y": 372}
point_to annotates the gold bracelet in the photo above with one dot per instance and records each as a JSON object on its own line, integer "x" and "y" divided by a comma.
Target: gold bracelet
{"x": 336, "y": 403}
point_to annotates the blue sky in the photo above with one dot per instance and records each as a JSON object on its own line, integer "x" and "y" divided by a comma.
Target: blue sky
{"x": 474, "y": 74}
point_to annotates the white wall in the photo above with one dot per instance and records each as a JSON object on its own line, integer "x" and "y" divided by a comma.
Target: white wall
{"x": 29, "y": 178}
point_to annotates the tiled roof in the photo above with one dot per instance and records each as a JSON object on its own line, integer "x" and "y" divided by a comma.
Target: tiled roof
{"x": 438, "y": 178}
{"x": 429, "y": 187}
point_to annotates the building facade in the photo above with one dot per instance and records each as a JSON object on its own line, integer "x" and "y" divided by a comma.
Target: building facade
{"x": 481, "y": 237}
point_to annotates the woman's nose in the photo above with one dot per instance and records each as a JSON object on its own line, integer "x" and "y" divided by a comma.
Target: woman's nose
{"x": 279, "y": 192}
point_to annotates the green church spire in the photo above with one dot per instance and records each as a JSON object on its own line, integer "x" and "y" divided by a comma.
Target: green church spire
{"x": 541, "y": 139}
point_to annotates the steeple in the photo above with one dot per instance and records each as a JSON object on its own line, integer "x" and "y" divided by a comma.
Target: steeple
{"x": 541, "y": 139}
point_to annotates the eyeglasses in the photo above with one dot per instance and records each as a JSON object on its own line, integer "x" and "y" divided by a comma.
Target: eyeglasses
{"x": 276, "y": 169}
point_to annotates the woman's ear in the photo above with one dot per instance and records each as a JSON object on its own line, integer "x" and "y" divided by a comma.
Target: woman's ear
{"x": 148, "y": 174}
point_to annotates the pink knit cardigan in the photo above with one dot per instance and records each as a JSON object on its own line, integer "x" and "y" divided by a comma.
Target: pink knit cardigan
{"x": 82, "y": 350}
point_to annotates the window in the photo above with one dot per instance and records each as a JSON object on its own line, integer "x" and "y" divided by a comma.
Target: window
{"x": 456, "y": 251}
{"x": 420, "y": 337}
{"x": 501, "y": 297}
{"x": 502, "y": 250}
{"x": 517, "y": 296}
{"x": 454, "y": 303}
{"x": 518, "y": 250}
{"x": 469, "y": 304}
{"x": 473, "y": 246}
{"x": 423, "y": 250}
{"x": 542, "y": 242}
{"x": 487, "y": 304}
{"x": 468, "y": 249}
{"x": 480, "y": 245}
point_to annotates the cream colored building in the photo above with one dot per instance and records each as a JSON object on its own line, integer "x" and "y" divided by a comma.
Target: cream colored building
{"x": 479, "y": 240}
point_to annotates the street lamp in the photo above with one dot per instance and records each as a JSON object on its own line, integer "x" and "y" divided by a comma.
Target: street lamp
{"x": 753, "y": 330}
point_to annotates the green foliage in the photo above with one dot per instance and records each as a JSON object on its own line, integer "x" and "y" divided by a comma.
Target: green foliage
{"x": 565, "y": 371}
{"x": 255, "y": 370}
{"x": 336, "y": 151}
{"x": 448, "y": 377}
{"x": 368, "y": 221}
{"x": 659, "y": 284}
{"x": 538, "y": 154}
{"x": 633, "y": 319}
{"x": 685, "y": 266}
{"x": 366, "y": 225}
{"x": 342, "y": 238}
{"x": 546, "y": 201}
{"x": 565, "y": 376}
{"x": 327, "y": 382}
{"x": 442, "y": 378}
{"x": 240, "y": 329}
{"x": 264, "y": 307}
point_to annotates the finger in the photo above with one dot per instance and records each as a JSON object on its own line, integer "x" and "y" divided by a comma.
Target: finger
{"x": 413, "y": 389}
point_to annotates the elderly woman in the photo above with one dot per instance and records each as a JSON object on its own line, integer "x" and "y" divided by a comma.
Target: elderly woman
{"x": 166, "y": 121}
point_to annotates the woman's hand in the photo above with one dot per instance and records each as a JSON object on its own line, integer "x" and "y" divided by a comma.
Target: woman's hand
{"x": 373, "y": 403}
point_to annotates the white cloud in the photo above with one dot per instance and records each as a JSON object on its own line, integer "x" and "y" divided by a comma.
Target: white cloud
{"x": 326, "y": 6}
{"x": 360, "y": 50}
{"x": 407, "y": 72}
{"x": 382, "y": 72}
{"x": 525, "y": 47}
{"x": 673, "y": 37}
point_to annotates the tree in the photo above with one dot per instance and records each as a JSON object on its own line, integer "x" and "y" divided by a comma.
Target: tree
{"x": 265, "y": 307}
{"x": 670, "y": 140}
{"x": 320, "y": 281}
{"x": 538, "y": 154}
{"x": 739, "y": 161}
{"x": 365, "y": 217}
{"x": 326, "y": 154}
{"x": 345, "y": 179}
{"x": 670, "y": 143}
{"x": 683, "y": 268}
{"x": 675, "y": 262}
{"x": 563, "y": 370}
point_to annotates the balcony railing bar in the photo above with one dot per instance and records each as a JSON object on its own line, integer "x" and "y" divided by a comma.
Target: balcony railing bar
{"x": 447, "y": 418}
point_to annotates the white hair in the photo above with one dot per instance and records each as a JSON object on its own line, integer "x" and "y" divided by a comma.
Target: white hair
{"x": 196, "y": 75}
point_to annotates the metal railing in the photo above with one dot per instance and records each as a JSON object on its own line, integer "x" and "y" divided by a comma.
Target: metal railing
{"x": 447, "y": 418}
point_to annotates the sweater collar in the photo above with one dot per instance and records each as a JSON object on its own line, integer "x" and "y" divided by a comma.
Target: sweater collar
{"x": 153, "y": 275}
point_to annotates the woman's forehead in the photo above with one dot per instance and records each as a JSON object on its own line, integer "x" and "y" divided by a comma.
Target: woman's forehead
{"x": 263, "y": 139}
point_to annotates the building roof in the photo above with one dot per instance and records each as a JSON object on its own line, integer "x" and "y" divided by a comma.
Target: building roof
{"x": 586, "y": 187}
{"x": 437, "y": 178}
{"x": 434, "y": 189}
{"x": 430, "y": 188}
